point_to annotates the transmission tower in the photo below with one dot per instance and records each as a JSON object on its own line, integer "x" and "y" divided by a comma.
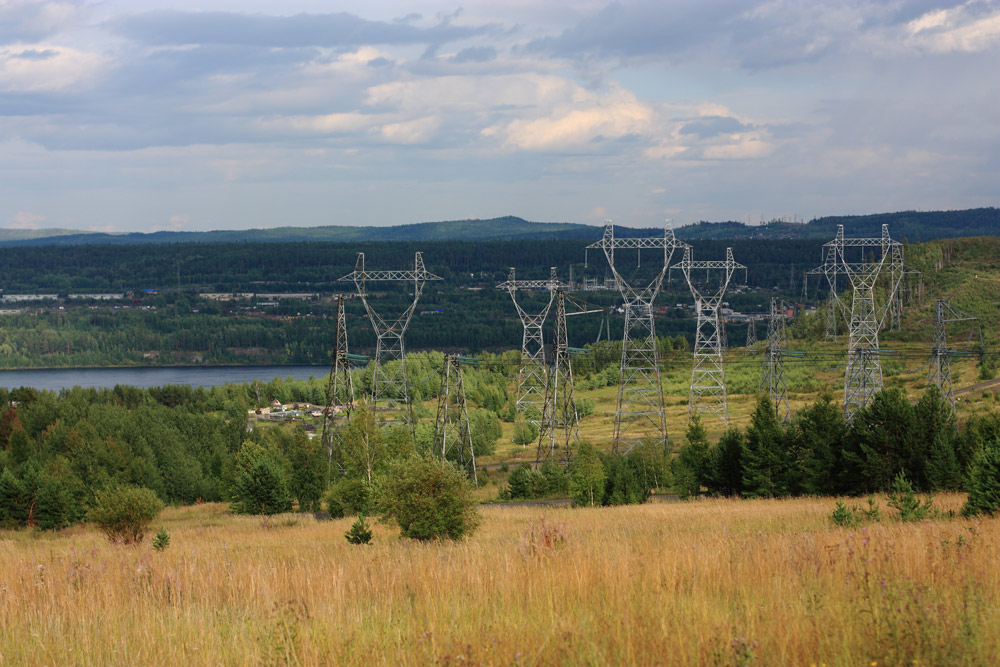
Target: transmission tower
{"x": 453, "y": 409}
{"x": 339, "y": 385}
{"x": 531, "y": 377}
{"x": 389, "y": 389}
{"x": 708, "y": 379}
{"x": 640, "y": 411}
{"x": 772, "y": 378}
{"x": 559, "y": 416}
{"x": 940, "y": 364}
{"x": 897, "y": 272}
{"x": 751, "y": 333}
{"x": 863, "y": 378}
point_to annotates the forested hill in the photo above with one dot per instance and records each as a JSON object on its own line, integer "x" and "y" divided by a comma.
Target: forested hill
{"x": 909, "y": 225}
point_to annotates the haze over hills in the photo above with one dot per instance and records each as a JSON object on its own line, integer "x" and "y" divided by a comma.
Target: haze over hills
{"x": 911, "y": 225}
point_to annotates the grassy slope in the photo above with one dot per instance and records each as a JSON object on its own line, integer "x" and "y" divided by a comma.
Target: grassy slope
{"x": 706, "y": 582}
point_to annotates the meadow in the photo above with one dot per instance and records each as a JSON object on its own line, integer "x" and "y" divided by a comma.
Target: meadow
{"x": 712, "y": 581}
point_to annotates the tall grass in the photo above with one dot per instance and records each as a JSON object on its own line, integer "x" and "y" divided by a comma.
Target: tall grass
{"x": 706, "y": 582}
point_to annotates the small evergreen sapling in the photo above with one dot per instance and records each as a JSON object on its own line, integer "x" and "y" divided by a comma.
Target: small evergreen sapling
{"x": 360, "y": 532}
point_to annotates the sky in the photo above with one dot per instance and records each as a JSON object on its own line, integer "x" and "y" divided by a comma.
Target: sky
{"x": 222, "y": 114}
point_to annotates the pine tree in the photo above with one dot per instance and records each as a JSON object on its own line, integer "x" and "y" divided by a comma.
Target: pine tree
{"x": 765, "y": 461}
{"x": 819, "y": 431}
{"x": 936, "y": 429}
{"x": 984, "y": 482}
{"x": 690, "y": 468}
{"x": 725, "y": 466}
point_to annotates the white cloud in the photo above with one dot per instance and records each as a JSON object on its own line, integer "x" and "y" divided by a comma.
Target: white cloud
{"x": 955, "y": 30}
{"x": 26, "y": 220}
{"x": 47, "y": 68}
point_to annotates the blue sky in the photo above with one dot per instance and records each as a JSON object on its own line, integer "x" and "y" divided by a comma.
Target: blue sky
{"x": 218, "y": 114}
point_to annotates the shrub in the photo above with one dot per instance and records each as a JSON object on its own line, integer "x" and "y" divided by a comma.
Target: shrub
{"x": 123, "y": 513}
{"x": 348, "y": 496}
{"x": 844, "y": 516}
{"x": 161, "y": 540}
{"x": 903, "y": 498}
{"x": 429, "y": 499}
{"x": 259, "y": 486}
{"x": 984, "y": 483}
{"x": 360, "y": 532}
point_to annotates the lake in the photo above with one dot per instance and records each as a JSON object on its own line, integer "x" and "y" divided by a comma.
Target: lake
{"x": 194, "y": 376}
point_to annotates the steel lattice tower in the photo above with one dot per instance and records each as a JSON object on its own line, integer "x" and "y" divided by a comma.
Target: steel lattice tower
{"x": 940, "y": 363}
{"x": 772, "y": 378}
{"x": 897, "y": 272}
{"x": 451, "y": 400}
{"x": 559, "y": 415}
{"x": 531, "y": 377}
{"x": 389, "y": 388}
{"x": 863, "y": 378}
{"x": 640, "y": 412}
{"x": 708, "y": 379}
{"x": 751, "y": 333}
{"x": 339, "y": 384}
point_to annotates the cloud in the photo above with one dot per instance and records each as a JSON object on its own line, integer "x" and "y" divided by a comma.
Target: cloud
{"x": 31, "y": 21}
{"x": 710, "y": 126}
{"x": 960, "y": 29}
{"x": 47, "y": 67}
{"x": 475, "y": 54}
{"x": 341, "y": 29}
{"x": 26, "y": 220}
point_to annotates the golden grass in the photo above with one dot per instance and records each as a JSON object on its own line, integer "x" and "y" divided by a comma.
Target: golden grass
{"x": 705, "y": 582}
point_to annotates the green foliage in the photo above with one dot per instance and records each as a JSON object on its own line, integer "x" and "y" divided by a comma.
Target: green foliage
{"x": 725, "y": 466}
{"x": 161, "y": 540}
{"x": 904, "y": 499}
{"x": 428, "y": 498}
{"x": 486, "y": 430}
{"x": 525, "y": 482}
{"x": 309, "y": 463}
{"x": 624, "y": 481}
{"x": 586, "y": 476}
{"x": 765, "y": 464}
{"x": 360, "y": 532}
{"x": 348, "y": 496}
{"x": 123, "y": 513}
{"x": 259, "y": 486}
{"x": 853, "y": 516}
{"x": 844, "y": 516}
{"x": 818, "y": 433}
{"x": 691, "y": 467}
{"x": 525, "y": 432}
{"x": 984, "y": 482}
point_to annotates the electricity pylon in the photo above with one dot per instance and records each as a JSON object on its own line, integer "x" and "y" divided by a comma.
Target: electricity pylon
{"x": 559, "y": 415}
{"x": 708, "y": 379}
{"x": 751, "y": 333}
{"x": 897, "y": 272}
{"x": 531, "y": 377}
{"x": 863, "y": 377}
{"x": 389, "y": 389}
{"x": 451, "y": 400}
{"x": 640, "y": 412}
{"x": 940, "y": 364}
{"x": 339, "y": 385}
{"x": 772, "y": 377}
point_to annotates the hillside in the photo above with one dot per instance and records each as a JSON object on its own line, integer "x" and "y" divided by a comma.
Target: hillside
{"x": 910, "y": 225}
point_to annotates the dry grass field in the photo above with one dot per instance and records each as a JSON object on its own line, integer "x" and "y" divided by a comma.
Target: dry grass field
{"x": 707, "y": 582}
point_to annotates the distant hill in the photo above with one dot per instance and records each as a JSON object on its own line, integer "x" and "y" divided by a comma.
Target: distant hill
{"x": 909, "y": 225}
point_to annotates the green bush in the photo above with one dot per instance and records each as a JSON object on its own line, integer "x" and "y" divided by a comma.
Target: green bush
{"x": 348, "y": 496}
{"x": 123, "y": 513}
{"x": 259, "y": 486}
{"x": 984, "y": 483}
{"x": 429, "y": 499}
{"x": 903, "y": 498}
{"x": 360, "y": 532}
{"x": 161, "y": 540}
